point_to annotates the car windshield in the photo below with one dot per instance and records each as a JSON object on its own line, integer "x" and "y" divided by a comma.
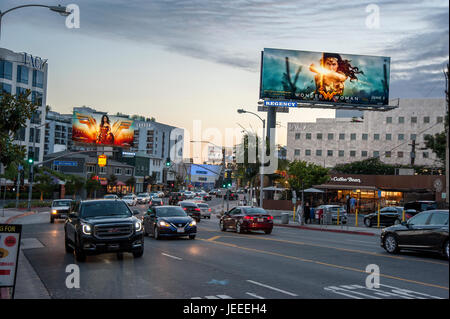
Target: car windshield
{"x": 156, "y": 200}
{"x": 110, "y": 196}
{"x": 203, "y": 205}
{"x": 61, "y": 203}
{"x": 170, "y": 212}
{"x": 105, "y": 208}
{"x": 128, "y": 197}
{"x": 255, "y": 211}
{"x": 188, "y": 204}
{"x": 142, "y": 195}
{"x": 334, "y": 209}
{"x": 428, "y": 206}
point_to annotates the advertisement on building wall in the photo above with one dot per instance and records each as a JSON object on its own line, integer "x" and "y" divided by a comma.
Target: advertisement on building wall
{"x": 102, "y": 129}
{"x": 330, "y": 78}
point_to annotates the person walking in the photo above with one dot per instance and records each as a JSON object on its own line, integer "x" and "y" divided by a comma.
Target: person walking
{"x": 352, "y": 204}
{"x": 307, "y": 212}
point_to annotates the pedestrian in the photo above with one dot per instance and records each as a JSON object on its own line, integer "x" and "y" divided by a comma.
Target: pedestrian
{"x": 299, "y": 213}
{"x": 352, "y": 204}
{"x": 348, "y": 204}
{"x": 307, "y": 212}
{"x": 312, "y": 215}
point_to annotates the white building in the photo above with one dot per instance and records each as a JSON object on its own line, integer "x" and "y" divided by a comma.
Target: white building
{"x": 58, "y": 132}
{"x": 387, "y": 135}
{"x": 19, "y": 72}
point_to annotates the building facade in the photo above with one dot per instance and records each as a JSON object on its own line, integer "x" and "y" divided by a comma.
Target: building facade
{"x": 58, "y": 132}
{"x": 19, "y": 72}
{"x": 388, "y": 135}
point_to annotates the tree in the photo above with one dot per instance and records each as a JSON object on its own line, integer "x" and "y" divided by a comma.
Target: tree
{"x": 370, "y": 166}
{"x": 74, "y": 184}
{"x": 112, "y": 180}
{"x": 44, "y": 184}
{"x": 437, "y": 143}
{"x": 14, "y": 112}
{"x": 92, "y": 185}
{"x": 303, "y": 175}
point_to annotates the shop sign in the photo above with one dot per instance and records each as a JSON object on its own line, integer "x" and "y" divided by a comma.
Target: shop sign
{"x": 346, "y": 179}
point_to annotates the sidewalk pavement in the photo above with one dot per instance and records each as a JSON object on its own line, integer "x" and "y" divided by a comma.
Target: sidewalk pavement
{"x": 28, "y": 283}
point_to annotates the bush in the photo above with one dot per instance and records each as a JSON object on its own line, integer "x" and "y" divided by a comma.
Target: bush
{"x": 33, "y": 204}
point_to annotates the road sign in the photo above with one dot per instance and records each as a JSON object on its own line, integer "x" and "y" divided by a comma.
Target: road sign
{"x": 102, "y": 160}
{"x": 65, "y": 163}
{"x": 9, "y": 255}
{"x": 20, "y": 167}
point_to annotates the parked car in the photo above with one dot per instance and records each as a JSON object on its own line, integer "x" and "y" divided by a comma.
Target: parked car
{"x": 172, "y": 221}
{"x": 110, "y": 196}
{"x": 427, "y": 230}
{"x": 205, "y": 211}
{"x": 156, "y": 201}
{"x": 243, "y": 218}
{"x": 321, "y": 211}
{"x": 421, "y": 205}
{"x": 103, "y": 226}
{"x": 60, "y": 209}
{"x": 131, "y": 200}
{"x": 191, "y": 209}
{"x": 143, "y": 198}
{"x": 389, "y": 216}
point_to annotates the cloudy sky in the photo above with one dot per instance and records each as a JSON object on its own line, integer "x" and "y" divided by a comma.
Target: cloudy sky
{"x": 180, "y": 61}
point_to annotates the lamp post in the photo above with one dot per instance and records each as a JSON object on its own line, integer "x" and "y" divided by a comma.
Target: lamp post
{"x": 261, "y": 192}
{"x": 59, "y": 9}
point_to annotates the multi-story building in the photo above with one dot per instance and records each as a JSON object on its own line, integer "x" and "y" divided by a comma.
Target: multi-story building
{"x": 58, "y": 132}
{"x": 19, "y": 72}
{"x": 388, "y": 135}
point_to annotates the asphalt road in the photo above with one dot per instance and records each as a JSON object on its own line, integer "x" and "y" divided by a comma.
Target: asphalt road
{"x": 289, "y": 263}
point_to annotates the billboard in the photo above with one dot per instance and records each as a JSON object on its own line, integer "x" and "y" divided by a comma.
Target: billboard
{"x": 325, "y": 78}
{"x": 205, "y": 170}
{"x": 102, "y": 129}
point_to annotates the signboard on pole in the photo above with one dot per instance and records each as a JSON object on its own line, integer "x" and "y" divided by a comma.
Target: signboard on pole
{"x": 65, "y": 163}
{"x": 9, "y": 256}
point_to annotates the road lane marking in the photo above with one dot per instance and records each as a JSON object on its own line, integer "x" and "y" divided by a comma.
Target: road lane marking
{"x": 273, "y": 288}
{"x": 325, "y": 264}
{"x": 213, "y": 238}
{"x": 341, "y": 293}
{"x": 410, "y": 291}
{"x": 211, "y": 297}
{"x": 254, "y": 295}
{"x": 394, "y": 293}
{"x": 178, "y": 258}
{"x": 334, "y": 288}
{"x": 224, "y": 297}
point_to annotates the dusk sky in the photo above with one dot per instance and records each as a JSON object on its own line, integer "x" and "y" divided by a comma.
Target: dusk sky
{"x": 180, "y": 61}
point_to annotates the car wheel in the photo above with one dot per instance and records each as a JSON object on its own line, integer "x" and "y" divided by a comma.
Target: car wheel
{"x": 138, "y": 254}
{"x": 390, "y": 244}
{"x": 239, "y": 228}
{"x": 222, "y": 226}
{"x": 446, "y": 249}
{"x": 52, "y": 220}
{"x": 69, "y": 249}
{"x": 191, "y": 236}
{"x": 268, "y": 231}
{"x": 368, "y": 222}
{"x": 156, "y": 233}
{"x": 79, "y": 254}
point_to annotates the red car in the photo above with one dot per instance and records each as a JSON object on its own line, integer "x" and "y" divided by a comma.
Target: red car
{"x": 243, "y": 219}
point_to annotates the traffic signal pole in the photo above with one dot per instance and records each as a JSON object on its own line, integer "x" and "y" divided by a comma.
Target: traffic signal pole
{"x": 30, "y": 183}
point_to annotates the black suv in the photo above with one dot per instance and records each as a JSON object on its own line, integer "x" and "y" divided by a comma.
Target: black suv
{"x": 103, "y": 226}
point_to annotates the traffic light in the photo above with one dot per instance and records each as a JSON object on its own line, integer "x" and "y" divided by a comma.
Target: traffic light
{"x": 168, "y": 162}
{"x": 30, "y": 160}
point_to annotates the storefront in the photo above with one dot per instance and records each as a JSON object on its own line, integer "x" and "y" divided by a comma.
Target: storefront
{"x": 384, "y": 190}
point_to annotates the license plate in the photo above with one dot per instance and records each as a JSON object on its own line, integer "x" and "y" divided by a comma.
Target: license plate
{"x": 63, "y": 216}
{"x": 260, "y": 220}
{"x": 113, "y": 247}
{"x": 180, "y": 230}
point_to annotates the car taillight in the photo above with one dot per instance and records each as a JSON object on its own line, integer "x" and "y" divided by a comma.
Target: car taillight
{"x": 248, "y": 217}
{"x": 209, "y": 210}
{"x": 269, "y": 217}
{"x": 184, "y": 208}
{"x": 197, "y": 209}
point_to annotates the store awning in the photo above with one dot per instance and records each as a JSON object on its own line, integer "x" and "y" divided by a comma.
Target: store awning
{"x": 346, "y": 187}
{"x": 313, "y": 190}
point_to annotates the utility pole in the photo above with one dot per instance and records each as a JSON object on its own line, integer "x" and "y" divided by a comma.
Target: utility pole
{"x": 413, "y": 152}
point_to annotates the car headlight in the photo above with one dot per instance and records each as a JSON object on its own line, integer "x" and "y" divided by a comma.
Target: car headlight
{"x": 164, "y": 224}
{"x": 87, "y": 229}
{"x": 138, "y": 226}
{"x": 193, "y": 223}
{"x": 54, "y": 211}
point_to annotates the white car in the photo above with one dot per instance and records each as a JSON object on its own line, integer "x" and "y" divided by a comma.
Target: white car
{"x": 143, "y": 198}
{"x": 205, "y": 211}
{"x": 189, "y": 195}
{"x": 131, "y": 200}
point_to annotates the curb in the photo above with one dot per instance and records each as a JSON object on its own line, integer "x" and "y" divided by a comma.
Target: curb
{"x": 329, "y": 230}
{"x": 12, "y": 218}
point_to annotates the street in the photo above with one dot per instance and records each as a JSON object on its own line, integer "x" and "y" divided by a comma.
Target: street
{"x": 289, "y": 263}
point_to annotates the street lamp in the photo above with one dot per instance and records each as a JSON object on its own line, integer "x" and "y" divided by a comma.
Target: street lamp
{"x": 58, "y": 9}
{"x": 261, "y": 173}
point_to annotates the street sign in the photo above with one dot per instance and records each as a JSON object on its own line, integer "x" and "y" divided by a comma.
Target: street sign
{"x": 102, "y": 160}
{"x": 20, "y": 167}
{"x": 9, "y": 255}
{"x": 265, "y": 108}
{"x": 65, "y": 163}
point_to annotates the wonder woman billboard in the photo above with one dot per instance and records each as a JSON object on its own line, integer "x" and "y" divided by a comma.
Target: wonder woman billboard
{"x": 102, "y": 129}
{"x": 324, "y": 77}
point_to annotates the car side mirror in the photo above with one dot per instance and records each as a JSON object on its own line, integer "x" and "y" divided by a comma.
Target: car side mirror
{"x": 404, "y": 223}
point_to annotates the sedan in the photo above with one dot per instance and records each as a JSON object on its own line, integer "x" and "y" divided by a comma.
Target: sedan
{"x": 243, "y": 219}
{"x": 111, "y": 196}
{"x": 169, "y": 221}
{"x": 427, "y": 231}
{"x": 205, "y": 211}
{"x": 191, "y": 209}
{"x": 131, "y": 200}
{"x": 389, "y": 216}
{"x": 156, "y": 201}
{"x": 324, "y": 211}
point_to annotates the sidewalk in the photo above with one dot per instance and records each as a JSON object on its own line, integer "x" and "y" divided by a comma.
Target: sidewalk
{"x": 28, "y": 283}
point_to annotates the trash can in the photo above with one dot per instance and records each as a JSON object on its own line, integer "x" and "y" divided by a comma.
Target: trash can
{"x": 285, "y": 218}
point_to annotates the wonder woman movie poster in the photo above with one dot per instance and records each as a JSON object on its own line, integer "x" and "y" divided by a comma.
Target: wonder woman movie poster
{"x": 325, "y": 77}
{"x": 102, "y": 129}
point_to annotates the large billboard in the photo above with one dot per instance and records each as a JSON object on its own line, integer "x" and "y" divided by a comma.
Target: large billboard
{"x": 322, "y": 77}
{"x": 102, "y": 129}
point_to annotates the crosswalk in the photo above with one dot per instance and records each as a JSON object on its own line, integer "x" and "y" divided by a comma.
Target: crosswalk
{"x": 384, "y": 292}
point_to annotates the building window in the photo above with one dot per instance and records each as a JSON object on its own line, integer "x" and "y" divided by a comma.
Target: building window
{"x": 36, "y": 153}
{"x": 401, "y": 120}
{"x": 401, "y": 137}
{"x": 36, "y": 98}
{"x": 319, "y": 136}
{"x": 365, "y": 137}
{"x": 387, "y": 154}
{"x": 297, "y": 152}
{"x": 400, "y": 154}
{"x": 353, "y": 136}
{"x": 425, "y": 155}
{"x": 342, "y": 136}
{"x": 318, "y": 152}
{"x": 363, "y": 153}
{"x": 38, "y": 135}
{"x": 388, "y": 120}
{"x": 341, "y": 153}
{"x": 308, "y": 152}
{"x": 329, "y": 153}
{"x": 128, "y": 171}
{"x": 388, "y": 137}
{"x": 102, "y": 170}
{"x": 376, "y": 137}
{"x": 5, "y": 88}
{"x": 413, "y": 137}
{"x": 297, "y": 136}
{"x": 376, "y": 154}
{"x": 22, "y": 74}
{"x": 439, "y": 119}
{"x": 426, "y": 119}
{"x": 20, "y": 90}
{"x": 414, "y": 119}
{"x": 330, "y": 136}
{"x": 90, "y": 169}
{"x": 352, "y": 153}
{"x": 38, "y": 79}
{"x": 5, "y": 70}
{"x": 20, "y": 134}
{"x": 308, "y": 136}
